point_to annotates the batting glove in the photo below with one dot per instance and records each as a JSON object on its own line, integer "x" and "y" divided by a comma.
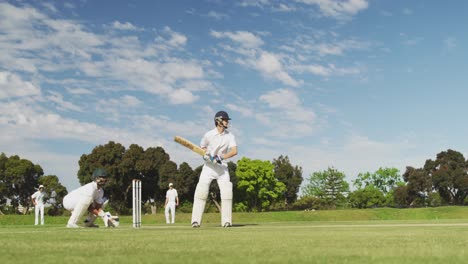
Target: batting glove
{"x": 217, "y": 159}
{"x": 208, "y": 157}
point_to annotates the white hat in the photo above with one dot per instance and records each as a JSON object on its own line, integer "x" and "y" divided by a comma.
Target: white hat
{"x": 41, "y": 186}
{"x": 170, "y": 184}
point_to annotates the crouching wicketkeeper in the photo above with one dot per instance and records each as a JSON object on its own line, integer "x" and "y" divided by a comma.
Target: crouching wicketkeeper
{"x": 89, "y": 197}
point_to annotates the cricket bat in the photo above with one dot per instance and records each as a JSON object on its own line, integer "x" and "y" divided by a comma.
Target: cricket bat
{"x": 184, "y": 142}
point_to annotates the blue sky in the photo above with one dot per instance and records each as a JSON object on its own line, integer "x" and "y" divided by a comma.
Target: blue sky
{"x": 353, "y": 84}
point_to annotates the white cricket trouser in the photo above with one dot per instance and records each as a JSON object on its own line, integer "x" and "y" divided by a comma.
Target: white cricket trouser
{"x": 170, "y": 207}
{"x": 78, "y": 205}
{"x": 209, "y": 173}
{"x": 39, "y": 208}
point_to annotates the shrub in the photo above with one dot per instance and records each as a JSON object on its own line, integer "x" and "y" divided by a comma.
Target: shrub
{"x": 368, "y": 197}
{"x": 434, "y": 199}
{"x": 240, "y": 207}
{"x": 185, "y": 207}
{"x": 309, "y": 203}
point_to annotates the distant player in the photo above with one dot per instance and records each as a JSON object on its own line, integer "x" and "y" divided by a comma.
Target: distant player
{"x": 38, "y": 201}
{"x": 89, "y": 198}
{"x": 172, "y": 200}
{"x": 219, "y": 144}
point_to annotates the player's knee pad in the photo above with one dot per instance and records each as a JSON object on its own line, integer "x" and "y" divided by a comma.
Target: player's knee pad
{"x": 201, "y": 192}
{"x": 225, "y": 189}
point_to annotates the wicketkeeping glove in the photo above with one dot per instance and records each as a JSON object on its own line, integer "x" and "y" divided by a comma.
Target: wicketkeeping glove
{"x": 110, "y": 220}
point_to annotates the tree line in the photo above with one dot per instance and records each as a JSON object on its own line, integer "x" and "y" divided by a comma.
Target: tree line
{"x": 258, "y": 185}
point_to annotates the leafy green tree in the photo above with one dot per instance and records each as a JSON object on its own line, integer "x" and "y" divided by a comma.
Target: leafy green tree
{"x": 19, "y": 178}
{"x": 109, "y": 157}
{"x": 329, "y": 185}
{"x": 124, "y": 165}
{"x": 367, "y": 197}
{"x": 401, "y": 196}
{"x": 257, "y": 181}
{"x": 55, "y": 192}
{"x": 384, "y": 179}
{"x": 52, "y": 184}
{"x": 3, "y": 180}
{"x": 290, "y": 175}
{"x": 185, "y": 182}
{"x": 154, "y": 158}
{"x": 449, "y": 176}
{"x": 418, "y": 184}
{"x": 167, "y": 173}
{"x": 238, "y": 195}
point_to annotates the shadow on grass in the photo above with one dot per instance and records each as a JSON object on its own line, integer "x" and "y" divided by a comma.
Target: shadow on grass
{"x": 240, "y": 225}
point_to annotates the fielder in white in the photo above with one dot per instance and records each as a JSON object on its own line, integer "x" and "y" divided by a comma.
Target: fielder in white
{"x": 38, "y": 201}
{"x": 219, "y": 145}
{"x": 89, "y": 197}
{"x": 172, "y": 200}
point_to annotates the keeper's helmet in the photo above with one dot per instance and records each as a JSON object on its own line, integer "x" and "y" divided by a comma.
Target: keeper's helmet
{"x": 219, "y": 117}
{"x": 100, "y": 176}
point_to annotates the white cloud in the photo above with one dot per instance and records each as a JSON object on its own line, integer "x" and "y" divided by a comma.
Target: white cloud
{"x": 62, "y": 104}
{"x": 125, "y": 26}
{"x": 284, "y": 8}
{"x": 176, "y": 39}
{"x": 217, "y": 15}
{"x": 79, "y": 91}
{"x": 282, "y": 98}
{"x": 114, "y": 106}
{"x": 243, "y": 38}
{"x": 36, "y": 43}
{"x": 12, "y": 85}
{"x": 325, "y": 71}
{"x": 270, "y": 65}
{"x": 338, "y": 8}
{"x": 290, "y": 104}
{"x": 130, "y": 101}
{"x": 181, "y": 96}
{"x": 244, "y": 110}
{"x": 50, "y": 7}
{"x": 450, "y": 43}
{"x": 255, "y": 3}
{"x": 288, "y": 117}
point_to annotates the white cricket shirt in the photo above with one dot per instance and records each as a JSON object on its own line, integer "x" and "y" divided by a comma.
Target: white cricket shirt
{"x": 218, "y": 144}
{"x": 171, "y": 195}
{"x": 39, "y": 197}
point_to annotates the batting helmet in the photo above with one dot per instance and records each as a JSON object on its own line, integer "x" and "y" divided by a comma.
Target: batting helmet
{"x": 220, "y": 116}
{"x": 99, "y": 172}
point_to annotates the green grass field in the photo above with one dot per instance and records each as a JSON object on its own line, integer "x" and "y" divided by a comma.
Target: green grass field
{"x": 427, "y": 235}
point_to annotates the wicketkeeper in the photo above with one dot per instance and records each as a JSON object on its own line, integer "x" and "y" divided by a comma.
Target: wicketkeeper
{"x": 219, "y": 144}
{"x": 89, "y": 198}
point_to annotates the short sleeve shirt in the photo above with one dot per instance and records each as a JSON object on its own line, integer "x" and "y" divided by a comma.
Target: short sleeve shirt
{"x": 39, "y": 197}
{"x": 171, "y": 195}
{"x": 218, "y": 143}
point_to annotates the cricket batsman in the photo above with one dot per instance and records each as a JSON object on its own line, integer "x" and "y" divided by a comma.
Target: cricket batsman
{"x": 219, "y": 145}
{"x": 89, "y": 198}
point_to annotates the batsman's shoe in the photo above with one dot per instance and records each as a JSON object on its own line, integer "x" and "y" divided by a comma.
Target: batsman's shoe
{"x": 73, "y": 226}
{"x": 227, "y": 224}
{"x": 195, "y": 225}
